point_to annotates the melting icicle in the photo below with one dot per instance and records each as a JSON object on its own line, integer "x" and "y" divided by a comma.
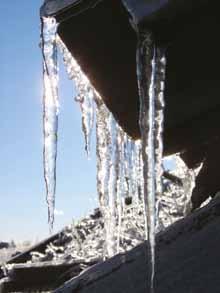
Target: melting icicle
{"x": 50, "y": 110}
{"x": 86, "y": 93}
{"x": 160, "y": 72}
{"x": 145, "y": 75}
{"x": 107, "y": 164}
{"x": 112, "y": 187}
{"x": 119, "y": 180}
{"x": 87, "y": 109}
{"x": 119, "y": 162}
{"x": 103, "y": 145}
{"x": 137, "y": 174}
{"x": 151, "y": 64}
{"x": 126, "y": 164}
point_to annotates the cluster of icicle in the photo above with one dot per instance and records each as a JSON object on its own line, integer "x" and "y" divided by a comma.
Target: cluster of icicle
{"x": 119, "y": 159}
{"x": 126, "y": 169}
{"x": 151, "y": 64}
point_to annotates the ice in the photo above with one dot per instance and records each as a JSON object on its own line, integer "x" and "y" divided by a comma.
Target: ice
{"x": 50, "y": 110}
{"x": 145, "y": 76}
{"x": 112, "y": 187}
{"x": 129, "y": 172}
{"x": 118, "y": 164}
{"x": 86, "y": 93}
{"x": 175, "y": 202}
{"x": 106, "y": 132}
{"x": 160, "y": 74}
{"x": 87, "y": 109}
{"x": 119, "y": 157}
{"x": 103, "y": 151}
{"x": 151, "y": 64}
{"x": 137, "y": 174}
{"x": 116, "y": 177}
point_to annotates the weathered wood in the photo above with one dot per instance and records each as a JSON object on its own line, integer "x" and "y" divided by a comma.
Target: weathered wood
{"x": 57, "y": 7}
{"x": 40, "y": 276}
{"x": 40, "y": 247}
{"x": 52, "y": 7}
{"x": 187, "y": 261}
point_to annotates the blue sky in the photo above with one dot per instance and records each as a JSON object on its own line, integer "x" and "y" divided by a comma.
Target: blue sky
{"x": 23, "y": 213}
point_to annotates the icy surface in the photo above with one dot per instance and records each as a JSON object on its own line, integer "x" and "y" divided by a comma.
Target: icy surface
{"x": 50, "y": 110}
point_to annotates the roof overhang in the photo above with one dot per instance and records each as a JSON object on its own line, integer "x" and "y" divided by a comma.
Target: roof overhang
{"x": 100, "y": 36}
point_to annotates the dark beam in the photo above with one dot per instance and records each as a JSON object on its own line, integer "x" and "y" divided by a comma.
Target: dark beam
{"x": 40, "y": 276}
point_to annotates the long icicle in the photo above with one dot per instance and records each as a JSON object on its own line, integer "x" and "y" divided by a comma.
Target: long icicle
{"x": 107, "y": 165}
{"x": 120, "y": 181}
{"x": 50, "y": 111}
{"x": 145, "y": 76}
{"x": 87, "y": 108}
{"x": 103, "y": 153}
{"x": 86, "y": 93}
{"x": 137, "y": 174}
{"x": 112, "y": 188}
{"x": 160, "y": 74}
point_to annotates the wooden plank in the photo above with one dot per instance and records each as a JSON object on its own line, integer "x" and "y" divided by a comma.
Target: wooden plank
{"x": 52, "y": 7}
{"x": 187, "y": 261}
{"x": 40, "y": 247}
{"x": 56, "y": 7}
{"x": 39, "y": 276}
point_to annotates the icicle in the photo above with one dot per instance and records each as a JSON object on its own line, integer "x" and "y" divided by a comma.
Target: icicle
{"x": 126, "y": 163}
{"x": 134, "y": 155}
{"x": 160, "y": 72}
{"x": 145, "y": 76}
{"x": 119, "y": 162}
{"x": 103, "y": 145}
{"x": 86, "y": 93}
{"x": 50, "y": 110}
{"x": 130, "y": 167}
{"x": 109, "y": 183}
{"x": 120, "y": 180}
{"x": 112, "y": 188}
{"x": 87, "y": 109}
{"x": 138, "y": 174}
{"x": 151, "y": 65}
